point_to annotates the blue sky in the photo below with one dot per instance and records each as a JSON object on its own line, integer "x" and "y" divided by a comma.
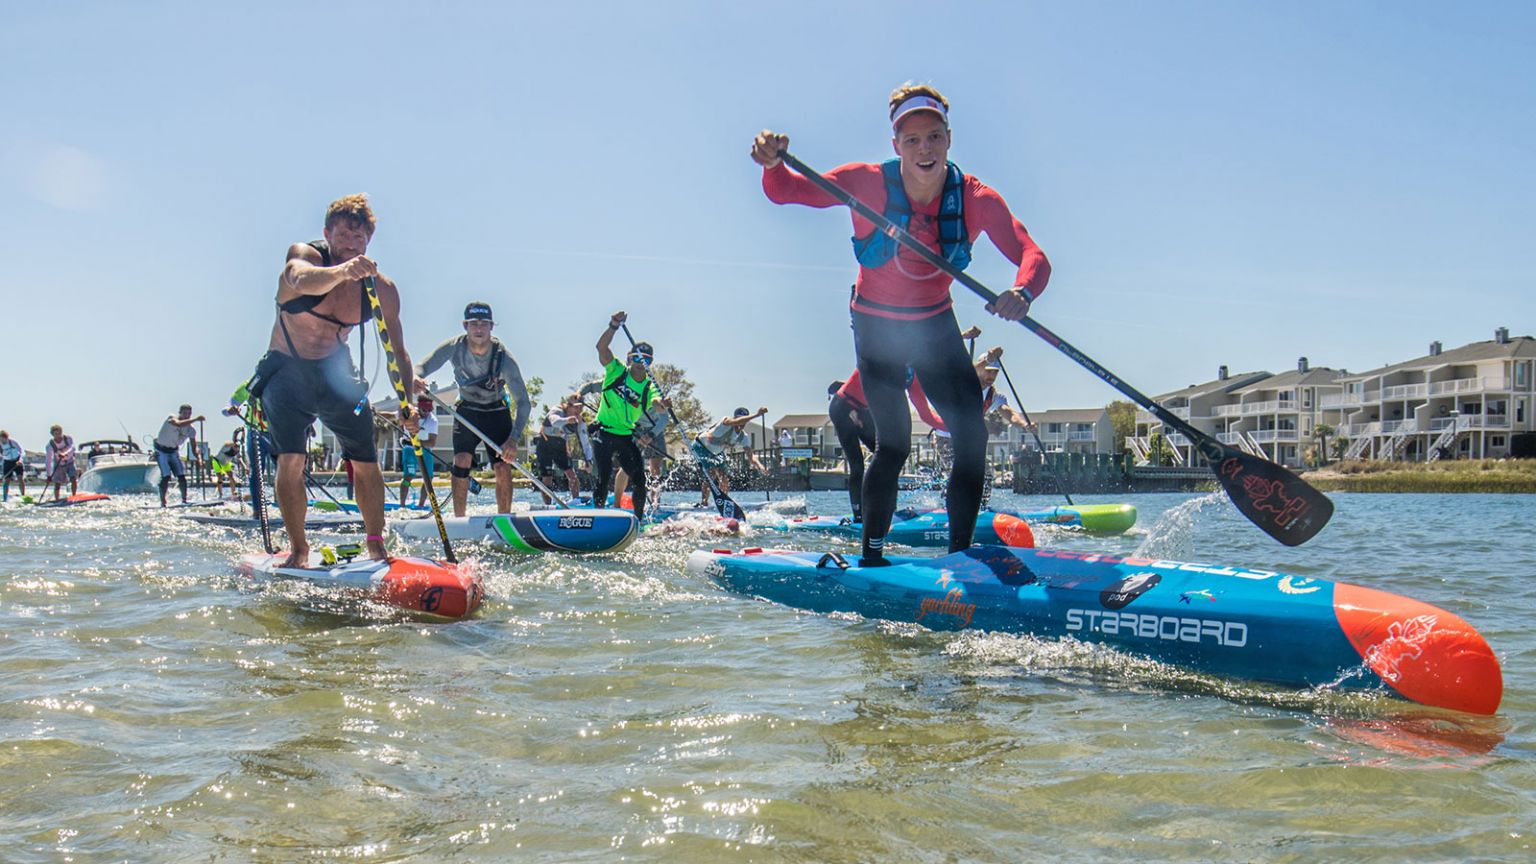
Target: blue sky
{"x": 1215, "y": 183}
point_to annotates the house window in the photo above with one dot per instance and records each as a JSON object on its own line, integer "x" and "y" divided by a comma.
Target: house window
{"x": 1306, "y": 398}
{"x": 1522, "y": 373}
{"x": 1495, "y": 440}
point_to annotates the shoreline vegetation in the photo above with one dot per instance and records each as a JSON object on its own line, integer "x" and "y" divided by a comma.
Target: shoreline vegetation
{"x": 1509, "y": 476}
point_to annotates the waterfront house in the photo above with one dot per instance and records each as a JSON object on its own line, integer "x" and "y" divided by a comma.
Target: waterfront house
{"x": 1466, "y": 402}
{"x": 1074, "y": 430}
{"x": 1196, "y": 405}
{"x": 1276, "y": 417}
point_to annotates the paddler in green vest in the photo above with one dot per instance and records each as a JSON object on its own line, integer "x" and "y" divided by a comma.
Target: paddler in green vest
{"x": 628, "y": 396}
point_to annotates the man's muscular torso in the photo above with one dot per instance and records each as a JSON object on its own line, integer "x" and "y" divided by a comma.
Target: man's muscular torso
{"x": 314, "y": 336}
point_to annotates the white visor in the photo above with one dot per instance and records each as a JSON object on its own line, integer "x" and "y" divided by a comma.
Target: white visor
{"x": 918, "y": 102}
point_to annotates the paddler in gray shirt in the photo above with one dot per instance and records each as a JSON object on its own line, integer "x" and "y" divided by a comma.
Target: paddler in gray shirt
{"x": 488, "y": 380}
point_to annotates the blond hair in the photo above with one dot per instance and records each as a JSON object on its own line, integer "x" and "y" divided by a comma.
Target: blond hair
{"x": 912, "y": 88}
{"x": 354, "y": 209}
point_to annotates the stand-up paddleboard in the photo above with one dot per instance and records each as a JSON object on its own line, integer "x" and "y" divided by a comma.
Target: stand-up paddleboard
{"x": 80, "y": 498}
{"x": 930, "y": 528}
{"x": 1093, "y": 518}
{"x": 417, "y": 585}
{"x": 313, "y": 522}
{"x": 1255, "y": 624}
{"x": 574, "y": 531}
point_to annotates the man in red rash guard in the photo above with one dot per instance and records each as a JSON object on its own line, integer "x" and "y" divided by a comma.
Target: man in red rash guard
{"x": 854, "y": 425}
{"x": 901, "y": 309}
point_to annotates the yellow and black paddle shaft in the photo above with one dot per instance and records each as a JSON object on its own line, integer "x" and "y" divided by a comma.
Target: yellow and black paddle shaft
{"x": 395, "y": 378}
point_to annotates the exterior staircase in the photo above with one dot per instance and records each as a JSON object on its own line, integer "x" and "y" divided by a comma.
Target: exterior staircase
{"x": 1400, "y": 434}
{"x": 1447, "y": 437}
{"x": 1357, "y": 446}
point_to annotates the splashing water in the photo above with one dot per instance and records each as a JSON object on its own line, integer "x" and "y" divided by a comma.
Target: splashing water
{"x": 1169, "y": 537}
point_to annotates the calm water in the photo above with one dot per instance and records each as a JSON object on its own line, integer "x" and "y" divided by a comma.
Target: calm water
{"x": 153, "y": 707}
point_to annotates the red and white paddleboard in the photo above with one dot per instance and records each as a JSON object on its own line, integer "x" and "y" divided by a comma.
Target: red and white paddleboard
{"x": 417, "y": 585}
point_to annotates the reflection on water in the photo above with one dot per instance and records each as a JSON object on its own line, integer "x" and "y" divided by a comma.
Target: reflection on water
{"x": 617, "y": 707}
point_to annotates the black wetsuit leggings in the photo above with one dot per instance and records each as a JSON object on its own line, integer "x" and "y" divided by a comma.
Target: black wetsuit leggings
{"x": 606, "y": 448}
{"x": 932, "y": 348}
{"x": 853, "y": 438}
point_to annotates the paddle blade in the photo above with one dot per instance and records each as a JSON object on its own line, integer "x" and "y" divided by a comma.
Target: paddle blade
{"x": 1283, "y": 505}
{"x": 728, "y": 507}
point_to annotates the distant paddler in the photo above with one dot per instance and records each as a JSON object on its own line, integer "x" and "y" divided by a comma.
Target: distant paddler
{"x": 223, "y": 463}
{"x": 628, "y": 394}
{"x": 489, "y": 383}
{"x": 551, "y": 447}
{"x": 427, "y": 435}
{"x": 855, "y": 427}
{"x": 994, "y": 408}
{"x": 713, "y": 447}
{"x": 307, "y": 374}
{"x": 59, "y": 461}
{"x": 901, "y": 308}
{"x": 174, "y": 432}
{"x": 12, "y": 464}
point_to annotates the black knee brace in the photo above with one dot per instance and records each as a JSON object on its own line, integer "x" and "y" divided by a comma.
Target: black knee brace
{"x": 459, "y": 472}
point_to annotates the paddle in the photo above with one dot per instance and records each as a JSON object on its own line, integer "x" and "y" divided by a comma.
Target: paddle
{"x": 723, "y": 502}
{"x": 395, "y": 379}
{"x": 258, "y": 504}
{"x": 1281, "y": 504}
{"x": 1060, "y": 487}
{"x": 459, "y": 418}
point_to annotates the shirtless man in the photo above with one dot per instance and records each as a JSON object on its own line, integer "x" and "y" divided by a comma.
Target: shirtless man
{"x": 320, "y": 298}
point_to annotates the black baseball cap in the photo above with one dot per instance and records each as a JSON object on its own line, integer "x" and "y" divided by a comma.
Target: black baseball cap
{"x": 478, "y": 311}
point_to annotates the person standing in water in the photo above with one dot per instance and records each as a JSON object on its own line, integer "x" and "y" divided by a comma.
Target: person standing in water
{"x": 901, "y": 309}
{"x": 174, "y": 432}
{"x": 307, "y": 374}
{"x": 12, "y": 464}
{"x": 489, "y": 383}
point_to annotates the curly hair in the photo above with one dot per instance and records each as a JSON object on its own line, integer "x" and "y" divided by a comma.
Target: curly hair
{"x": 354, "y": 209}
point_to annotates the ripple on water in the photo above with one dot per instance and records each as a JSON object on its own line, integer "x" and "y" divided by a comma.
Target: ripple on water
{"x": 617, "y": 706}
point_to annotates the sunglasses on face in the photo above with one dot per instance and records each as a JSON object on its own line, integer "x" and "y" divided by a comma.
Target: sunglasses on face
{"x": 642, "y": 359}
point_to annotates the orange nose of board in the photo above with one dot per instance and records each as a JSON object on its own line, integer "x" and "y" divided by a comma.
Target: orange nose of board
{"x": 454, "y": 594}
{"x": 1013, "y": 531}
{"x": 1425, "y": 653}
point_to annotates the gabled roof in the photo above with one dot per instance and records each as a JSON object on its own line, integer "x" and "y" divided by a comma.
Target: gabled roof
{"x": 1219, "y": 385}
{"x": 1294, "y": 378}
{"x": 802, "y": 421}
{"x": 1517, "y": 346}
{"x": 816, "y": 421}
{"x": 1070, "y": 415}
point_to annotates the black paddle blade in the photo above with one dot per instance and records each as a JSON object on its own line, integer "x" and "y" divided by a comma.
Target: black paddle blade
{"x": 1283, "y": 505}
{"x": 728, "y": 507}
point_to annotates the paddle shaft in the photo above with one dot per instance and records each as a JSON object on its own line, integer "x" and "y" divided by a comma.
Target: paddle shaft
{"x": 1030, "y": 424}
{"x": 459, "y": 418}
{"x": 1062, "y": 345}
{"x": 722, "y": 500}
{"x": 1269, "y": 495}
{"x": 397, "y": 380}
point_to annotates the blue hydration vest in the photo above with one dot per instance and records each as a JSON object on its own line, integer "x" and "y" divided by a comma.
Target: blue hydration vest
{"x": 877, "y": 248}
